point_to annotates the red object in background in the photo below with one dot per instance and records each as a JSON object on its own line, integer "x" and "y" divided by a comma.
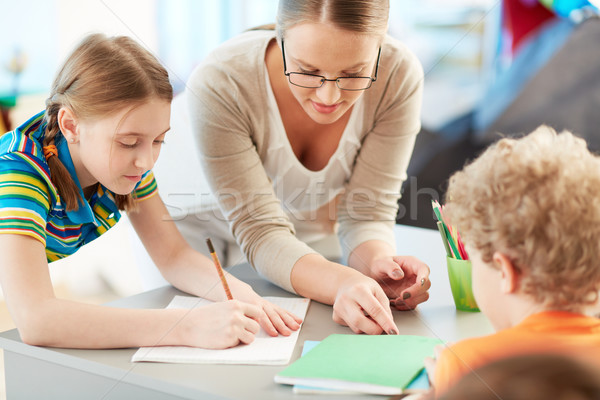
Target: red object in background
{"x": 521, "y": 17}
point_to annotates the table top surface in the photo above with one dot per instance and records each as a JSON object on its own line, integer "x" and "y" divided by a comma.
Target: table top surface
{"x": 435, "y": 318}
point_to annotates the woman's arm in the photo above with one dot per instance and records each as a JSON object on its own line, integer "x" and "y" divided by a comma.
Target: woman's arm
{"x": 44, "y": 320}
{"x": 367, "y": 210}
{"x": 358, "y": 301}
{"x": 392, "y": 108}
{"x": 193, "y": 272}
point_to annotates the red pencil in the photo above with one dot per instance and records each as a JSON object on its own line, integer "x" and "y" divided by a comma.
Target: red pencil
{"x": 461, "y": 247}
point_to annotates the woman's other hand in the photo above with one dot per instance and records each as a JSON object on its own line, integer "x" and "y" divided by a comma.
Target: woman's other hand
{"x": 404, "y": 279}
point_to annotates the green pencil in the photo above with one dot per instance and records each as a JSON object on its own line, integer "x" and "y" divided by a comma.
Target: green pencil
{"x": 451, "y": 242}
{"x": 441, "y": 229}
{"x": 435, "y": 205}
{"x": 446, "y": 236}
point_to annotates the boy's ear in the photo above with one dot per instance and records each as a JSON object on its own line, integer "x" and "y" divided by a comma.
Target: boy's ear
{"x": 68, "y": 124}
{"x": 509, "y": 273}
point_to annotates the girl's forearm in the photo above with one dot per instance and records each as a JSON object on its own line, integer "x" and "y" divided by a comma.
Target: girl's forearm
{"x": 64, "y": 323}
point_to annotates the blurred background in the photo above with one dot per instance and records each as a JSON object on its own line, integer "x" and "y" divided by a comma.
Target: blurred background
{"x": 490, "y": 66}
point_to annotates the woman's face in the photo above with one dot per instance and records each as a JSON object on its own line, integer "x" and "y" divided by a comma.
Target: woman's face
{"x": 321, "y": 49}
{"x": 118, "y": 149}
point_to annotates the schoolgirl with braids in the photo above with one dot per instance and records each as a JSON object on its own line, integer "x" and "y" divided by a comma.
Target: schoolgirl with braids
{"x": 65, "y": 176}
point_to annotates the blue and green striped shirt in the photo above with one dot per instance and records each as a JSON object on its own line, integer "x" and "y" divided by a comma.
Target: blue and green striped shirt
{"x": 29, "y": 201}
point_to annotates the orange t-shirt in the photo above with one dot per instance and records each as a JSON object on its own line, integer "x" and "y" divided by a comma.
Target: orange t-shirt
{"x": 542, "y": 332}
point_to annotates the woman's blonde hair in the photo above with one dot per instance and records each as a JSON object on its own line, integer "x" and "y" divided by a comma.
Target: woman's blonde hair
{"x": 102, "y": 74}
{"x": 536, "y": 200}
{"x": 360, "y": 16}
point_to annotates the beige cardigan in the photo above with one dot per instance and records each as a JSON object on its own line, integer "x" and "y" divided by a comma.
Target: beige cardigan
{"x": 227, "y": 99}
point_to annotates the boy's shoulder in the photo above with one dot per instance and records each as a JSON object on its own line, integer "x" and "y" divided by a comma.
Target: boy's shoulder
{"x": 473, "y": 352}
{"x": 540, "y": 332}
{"x": 550, "y": 331}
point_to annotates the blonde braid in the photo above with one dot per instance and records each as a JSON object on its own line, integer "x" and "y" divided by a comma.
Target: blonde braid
{"x": 60, "y": 176}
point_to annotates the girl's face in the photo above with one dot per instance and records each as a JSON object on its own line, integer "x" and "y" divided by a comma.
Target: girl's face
{"x": 118, "y": 149}
{"x": 322, "y": 49}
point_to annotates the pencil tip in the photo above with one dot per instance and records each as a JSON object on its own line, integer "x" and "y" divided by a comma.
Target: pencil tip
{"x": 210, "y": 245}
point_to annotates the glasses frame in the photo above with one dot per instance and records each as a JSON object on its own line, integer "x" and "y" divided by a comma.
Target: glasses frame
{"x": 323, "y": 79}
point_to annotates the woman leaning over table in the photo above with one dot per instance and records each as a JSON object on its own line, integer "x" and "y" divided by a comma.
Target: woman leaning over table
{"x": 306, "y": 132}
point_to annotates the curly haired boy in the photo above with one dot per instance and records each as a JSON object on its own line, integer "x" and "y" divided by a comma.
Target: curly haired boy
{"x": 528, "y": 211}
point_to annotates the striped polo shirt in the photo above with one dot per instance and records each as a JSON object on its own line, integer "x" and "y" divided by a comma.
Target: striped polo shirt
{"x": 29, "y": 201}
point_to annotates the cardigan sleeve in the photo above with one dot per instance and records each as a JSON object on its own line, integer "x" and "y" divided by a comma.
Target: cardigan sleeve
{"x": 368, "y": 208}
{"x": 224, "y": 114}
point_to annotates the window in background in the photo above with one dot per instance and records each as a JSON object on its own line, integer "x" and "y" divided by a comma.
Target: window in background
{"x": 26, "y": 56}
{"x": 190, "y": 29}
{"x": 39, "y": 35}
{"x": 456, "y": 41}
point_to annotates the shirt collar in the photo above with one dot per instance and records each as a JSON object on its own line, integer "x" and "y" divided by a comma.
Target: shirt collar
{"x": 84, "y": 213}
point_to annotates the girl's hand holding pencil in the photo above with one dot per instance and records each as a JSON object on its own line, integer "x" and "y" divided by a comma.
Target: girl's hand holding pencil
{"x": 219, "y": 325}
{"x": 274, "y": 319}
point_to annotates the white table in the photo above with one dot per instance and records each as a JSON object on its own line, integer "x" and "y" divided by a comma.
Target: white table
{"x": 49, "y": 373}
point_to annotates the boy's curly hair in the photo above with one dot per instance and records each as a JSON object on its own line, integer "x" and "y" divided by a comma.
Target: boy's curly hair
{"x": 537, "y": 200}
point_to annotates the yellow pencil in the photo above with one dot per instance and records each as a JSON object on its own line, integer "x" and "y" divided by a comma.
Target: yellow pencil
{"x": 215, "y": 258}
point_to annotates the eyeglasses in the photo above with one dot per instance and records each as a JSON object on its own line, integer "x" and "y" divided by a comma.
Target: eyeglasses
{"x": 311, "y": 81}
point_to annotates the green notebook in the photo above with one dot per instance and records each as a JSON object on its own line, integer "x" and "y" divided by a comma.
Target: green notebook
{"x": 383, "y": 364}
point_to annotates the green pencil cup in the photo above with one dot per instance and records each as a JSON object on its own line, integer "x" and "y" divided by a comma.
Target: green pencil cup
{"x": 459, "y": 272}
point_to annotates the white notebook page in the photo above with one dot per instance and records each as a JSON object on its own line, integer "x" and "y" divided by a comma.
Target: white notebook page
{"x": 264, "y": 350}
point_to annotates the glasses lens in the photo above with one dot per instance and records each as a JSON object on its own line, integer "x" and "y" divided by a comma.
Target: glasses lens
{"x": 306, "y": 80}
{"x": 354, "y": 83}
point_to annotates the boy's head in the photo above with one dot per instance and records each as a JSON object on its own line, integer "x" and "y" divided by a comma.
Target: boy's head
{"x": 534, "y": 203}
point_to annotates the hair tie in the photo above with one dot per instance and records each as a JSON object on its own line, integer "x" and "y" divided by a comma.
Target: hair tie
{"x": 50, "y": 151}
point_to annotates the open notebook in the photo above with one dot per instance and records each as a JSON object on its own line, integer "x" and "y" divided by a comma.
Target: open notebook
{"x": 264, "y": 350}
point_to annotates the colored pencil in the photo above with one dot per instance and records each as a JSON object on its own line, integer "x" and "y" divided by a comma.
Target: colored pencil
{"x": 441, "y": 229}
{"x": 450, "y": 236}
{"x": 215, "y": 258}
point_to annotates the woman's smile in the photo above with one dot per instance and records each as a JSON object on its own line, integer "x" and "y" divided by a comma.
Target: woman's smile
{"x": 323, "y": 108}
